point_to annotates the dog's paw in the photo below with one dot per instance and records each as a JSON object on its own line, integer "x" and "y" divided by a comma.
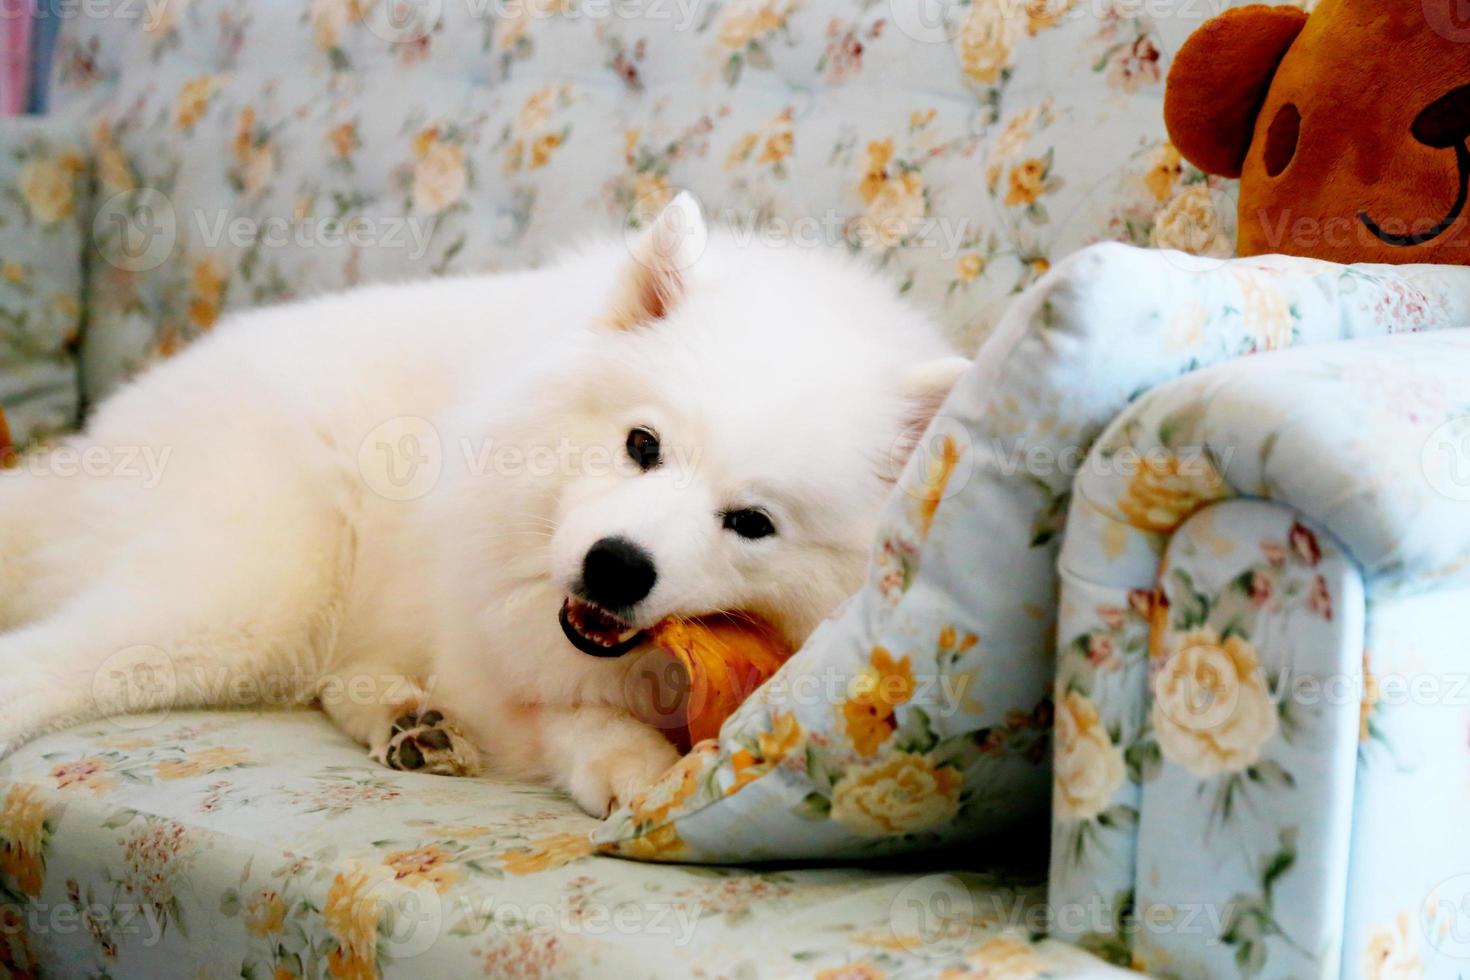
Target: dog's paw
{"x": 429, "y": 743}
{"x": 609, "y": 778}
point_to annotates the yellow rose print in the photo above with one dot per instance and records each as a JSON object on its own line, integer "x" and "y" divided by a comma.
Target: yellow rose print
{"x": 663, "y": 844}
{"x": 22, "y": 830}
{"x": 543, "y": 855}
{"x": 265, "y": 913}
{"x": 868, "y": 713}
{"x": 1392, "y": 952}
{"x": 860, "y": 970}
{"x": 351, "y": 916}
{"x": 1088, "y": 768}
{"x": 902, "y": 793}
{"x": 1167, "y": 488}
{"x": 785, "y": 736}
{"x": 1028, "y": 182}
{"x": 427, "y": 865}
{"x": 1213, "y": 712}
{"x": 46, "y": 185}
{"x": 193, "y": 100}
{"x": 936, "y": 481}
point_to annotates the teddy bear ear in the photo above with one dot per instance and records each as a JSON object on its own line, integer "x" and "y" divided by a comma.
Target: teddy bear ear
{"x": 1219, "y": 81}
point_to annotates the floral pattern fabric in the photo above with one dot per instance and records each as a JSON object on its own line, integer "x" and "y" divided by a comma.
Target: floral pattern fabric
{"x": 42, "y": 205}
{"x": 1256, "y": 555}
{"x": 965, "y": 156}
{"x": 266, "y": 845}
{"x": 921, "y": 713}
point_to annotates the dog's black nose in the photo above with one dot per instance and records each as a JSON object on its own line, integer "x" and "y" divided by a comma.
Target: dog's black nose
{"x": 617, "y": 574}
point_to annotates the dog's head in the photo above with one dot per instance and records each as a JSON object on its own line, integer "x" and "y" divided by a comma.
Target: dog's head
{"x": 739, "y": 415}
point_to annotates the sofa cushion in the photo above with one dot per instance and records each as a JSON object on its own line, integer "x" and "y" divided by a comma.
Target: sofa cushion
{"x": 43, "y": 209}
{"x": 965, "y": 157}
{"x": 267, "y": 845}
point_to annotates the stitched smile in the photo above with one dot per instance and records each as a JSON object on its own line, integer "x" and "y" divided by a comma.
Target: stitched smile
{"x": 1462, "y": 157}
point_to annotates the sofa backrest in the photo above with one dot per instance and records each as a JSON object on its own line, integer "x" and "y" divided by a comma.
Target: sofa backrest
{"x": 251, "y": 151}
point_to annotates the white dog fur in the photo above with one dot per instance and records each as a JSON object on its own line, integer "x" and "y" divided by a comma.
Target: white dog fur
{"x": 379, "y": 500}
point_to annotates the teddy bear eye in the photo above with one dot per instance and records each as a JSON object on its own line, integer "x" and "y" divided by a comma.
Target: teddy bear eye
{"x": 1282, "y": 138}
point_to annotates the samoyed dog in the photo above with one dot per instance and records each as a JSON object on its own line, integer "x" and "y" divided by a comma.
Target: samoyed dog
{"x": 448, "y": 511}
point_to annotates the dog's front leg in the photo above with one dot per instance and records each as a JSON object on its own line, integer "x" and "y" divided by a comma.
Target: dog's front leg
{"x": 394, "y": 715}
{"x": 601, "y": 755}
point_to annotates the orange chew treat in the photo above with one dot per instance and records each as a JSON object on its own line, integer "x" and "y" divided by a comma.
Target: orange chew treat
{"x": 727, "y": 658}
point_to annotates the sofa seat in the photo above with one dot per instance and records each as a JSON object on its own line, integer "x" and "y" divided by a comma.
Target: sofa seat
{"x": 266, "y": 845}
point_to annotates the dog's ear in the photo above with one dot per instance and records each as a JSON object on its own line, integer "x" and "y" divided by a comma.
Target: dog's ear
{"x": 927, "y": 385}
{"x": 924, "y": 388}
{"x": 1219, "y": 81}
{"x": 654, "y": 281}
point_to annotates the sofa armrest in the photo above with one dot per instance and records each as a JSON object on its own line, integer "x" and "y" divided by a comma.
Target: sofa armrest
{"x": 1230, "y": 538}
{"x": 43, "y": 214}
{"x": 966, "y": 551}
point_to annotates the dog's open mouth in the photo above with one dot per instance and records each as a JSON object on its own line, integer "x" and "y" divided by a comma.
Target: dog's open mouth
{"x": 595, "y": 631}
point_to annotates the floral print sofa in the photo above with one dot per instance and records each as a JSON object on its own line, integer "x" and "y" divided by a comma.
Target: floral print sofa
{"x": 185, "y": 174}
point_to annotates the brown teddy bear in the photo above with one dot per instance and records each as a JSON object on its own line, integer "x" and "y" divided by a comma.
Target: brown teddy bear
{"x": 1347, "y": 127}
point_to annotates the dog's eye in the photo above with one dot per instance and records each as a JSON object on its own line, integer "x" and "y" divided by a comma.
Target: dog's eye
{"x": 749, "y": 523}
{"x": 643, "y": 448}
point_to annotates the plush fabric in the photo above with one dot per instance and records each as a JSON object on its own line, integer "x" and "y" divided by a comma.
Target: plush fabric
{"x": 1211, "y": 115}
{"x": 920, "y": 713}
{"x": 1260, "y": 702}
{"x": 1355, "y": 127}
{"x": 265, "y": 845}
{"x": 43, "y": 209}
{"x": 965, "y": 157}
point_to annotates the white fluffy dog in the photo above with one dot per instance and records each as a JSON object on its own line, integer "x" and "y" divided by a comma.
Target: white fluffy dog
{"x": 446, "y": 510}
